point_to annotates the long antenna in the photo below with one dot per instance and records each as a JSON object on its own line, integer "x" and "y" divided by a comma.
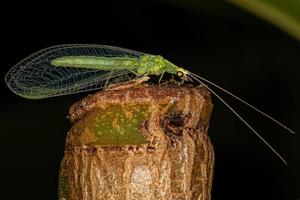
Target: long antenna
{"x": 241, "y": 118}
{"x": 246, "y": 103}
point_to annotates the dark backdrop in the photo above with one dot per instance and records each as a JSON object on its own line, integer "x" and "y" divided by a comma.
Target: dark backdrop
{"x": 216, "y": 40}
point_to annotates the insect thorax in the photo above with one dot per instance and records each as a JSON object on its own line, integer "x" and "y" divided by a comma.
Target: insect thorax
{"x": 154, "y": 65}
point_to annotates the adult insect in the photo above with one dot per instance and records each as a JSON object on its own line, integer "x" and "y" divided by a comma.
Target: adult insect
{"x": 73, "y": 68}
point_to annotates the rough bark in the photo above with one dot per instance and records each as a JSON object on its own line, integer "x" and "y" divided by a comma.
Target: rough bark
{"x": 146, "y": 142}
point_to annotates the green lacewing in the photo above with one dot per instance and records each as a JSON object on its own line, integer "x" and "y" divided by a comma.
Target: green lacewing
{"x": 73, "y": 68}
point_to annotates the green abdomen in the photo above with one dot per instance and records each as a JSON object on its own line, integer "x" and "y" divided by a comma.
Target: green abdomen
{"x": 95, "y": 62}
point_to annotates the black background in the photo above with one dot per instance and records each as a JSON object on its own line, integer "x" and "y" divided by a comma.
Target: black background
{"x": 229, "y": 46}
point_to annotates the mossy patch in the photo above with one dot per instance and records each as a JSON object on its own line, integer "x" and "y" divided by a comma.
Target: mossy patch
{"x": 118, "y": 125}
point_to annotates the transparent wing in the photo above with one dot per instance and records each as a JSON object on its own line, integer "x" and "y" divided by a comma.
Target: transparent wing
{"x": 35, "y": 77}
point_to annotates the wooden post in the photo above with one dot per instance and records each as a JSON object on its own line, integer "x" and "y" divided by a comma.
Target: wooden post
{"x": 143, "y": 142}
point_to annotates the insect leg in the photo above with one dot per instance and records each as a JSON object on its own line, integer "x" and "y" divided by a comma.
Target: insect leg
{"x": 160, "y": 78}
{"x": 107, "y": 80}
{"x": 142, "y": 79}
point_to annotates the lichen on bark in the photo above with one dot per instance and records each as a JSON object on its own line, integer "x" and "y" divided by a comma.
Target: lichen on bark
{"x": 142, "y": 142}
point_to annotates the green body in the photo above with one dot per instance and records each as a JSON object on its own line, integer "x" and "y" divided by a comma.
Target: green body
{"x": 144, "y": 65}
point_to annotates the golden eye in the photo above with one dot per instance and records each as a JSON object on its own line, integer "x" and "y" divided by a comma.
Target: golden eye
{"x": 179, "y": 74}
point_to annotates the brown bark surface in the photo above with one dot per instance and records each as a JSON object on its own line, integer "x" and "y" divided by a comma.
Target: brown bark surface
{"x": 146, "y": 142}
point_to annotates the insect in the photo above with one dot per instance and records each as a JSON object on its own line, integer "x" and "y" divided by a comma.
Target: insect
{"x": 73, "y": 68}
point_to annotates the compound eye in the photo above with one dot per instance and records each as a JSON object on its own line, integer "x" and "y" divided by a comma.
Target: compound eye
{"x": 179, "y": 74}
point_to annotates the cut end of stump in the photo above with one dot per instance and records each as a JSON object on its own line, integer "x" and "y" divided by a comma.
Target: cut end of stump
{"x": 126, "y": 116}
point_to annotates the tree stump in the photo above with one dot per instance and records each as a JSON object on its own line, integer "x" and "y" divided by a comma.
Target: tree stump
{"x": 142, "y": 142}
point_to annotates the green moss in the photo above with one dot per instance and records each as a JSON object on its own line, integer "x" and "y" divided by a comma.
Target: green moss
{"x": 118, "y": 125}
